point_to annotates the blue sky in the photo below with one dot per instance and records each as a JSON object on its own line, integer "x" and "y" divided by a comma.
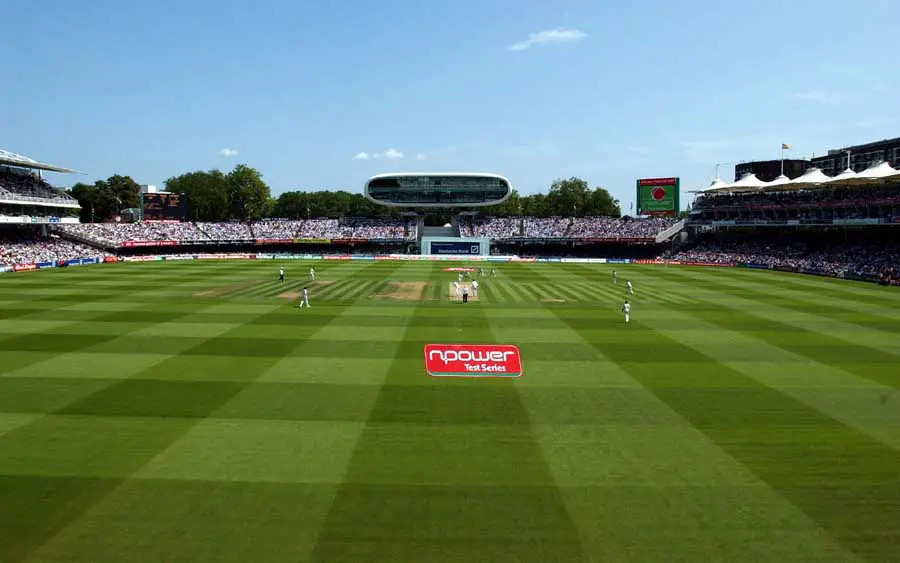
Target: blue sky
{"x": 534, "y": 90}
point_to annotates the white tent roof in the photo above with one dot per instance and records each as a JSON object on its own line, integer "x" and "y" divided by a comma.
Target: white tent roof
{"x": 878, "y": 171}
{"x": 810, "y": 177}
{"x": 717, "y": 185}
{"x": 779, "y": 181}
{"x": 747, "y": 182}
{"x": 847, "y": 174}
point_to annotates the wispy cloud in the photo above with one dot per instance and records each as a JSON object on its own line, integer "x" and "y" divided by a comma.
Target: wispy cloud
{"x": 818, "y": 97}
{"x": 558, "y": 35}
{"x": 420, "y": 156}
{"x": 392, "y": 154}
{"x": 228, "y": 153}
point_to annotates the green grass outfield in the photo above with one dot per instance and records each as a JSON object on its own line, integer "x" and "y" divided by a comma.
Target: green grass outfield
{"x": 173, "y": 412}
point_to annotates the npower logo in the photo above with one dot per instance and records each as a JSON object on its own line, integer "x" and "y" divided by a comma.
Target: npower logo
{"x": 473, "y": 360}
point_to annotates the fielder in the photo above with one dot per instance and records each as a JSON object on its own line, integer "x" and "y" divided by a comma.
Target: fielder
{"x": 629, "y": 287}
{"x": 312, "y": 274}
{"x": 474, "y": 288}
{"x": 626, "y": 308}
{"x": 281, "y": 275}
{"x": 456, "y": 285}
{"x": 615, "y": 277}
{"x": 304, "y": 299}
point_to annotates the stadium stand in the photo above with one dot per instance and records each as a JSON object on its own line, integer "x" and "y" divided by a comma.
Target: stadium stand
{"x": 879, "y": 261}
{"x": 612, "y": 228}
{"x": 30, "y": 248}
{"x": 21, "y": 185}
{"x": 116, "y": 234}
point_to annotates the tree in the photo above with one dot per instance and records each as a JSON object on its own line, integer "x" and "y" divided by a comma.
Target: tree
{"x": 206, "y": 193}
{"x": 601, "y": 203}
{"x": 124, "y": 190}
{"x": 248, "y": 194}
{"x": 86, "y": 194}
{"x": 105, "y": 198}
{"x": 567, "y": 198}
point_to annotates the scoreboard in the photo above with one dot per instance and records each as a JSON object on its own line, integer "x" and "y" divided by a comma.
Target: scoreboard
{"x": 658, "y": 196}
{"x": 164, "y": 207}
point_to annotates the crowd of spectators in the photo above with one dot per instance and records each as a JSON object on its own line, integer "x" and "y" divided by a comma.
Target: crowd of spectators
{"x": 545, "y": 227}
{"x": 499, "y": 228}
{"x": 114, "y": 234}
{"x": 22, "y": 185}
{"x": 843, "y": 195}
{"x": 357, "y": 227}
{"x": 35, "y": 250}
{"x": 492, "y": 227}
{"x": 275, "y": 229}
{"x": 880, "y": 261}
{"x": 767, "y": 254}
{"x": 232, "y": 230}
{"x": 611, "y": 227}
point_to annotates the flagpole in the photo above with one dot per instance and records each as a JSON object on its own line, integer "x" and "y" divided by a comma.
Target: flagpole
{"x": 782, "y": 159}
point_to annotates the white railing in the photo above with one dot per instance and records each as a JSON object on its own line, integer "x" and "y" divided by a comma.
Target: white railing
{"x": 18, "y": 199}
{"x": 665, "y": 235}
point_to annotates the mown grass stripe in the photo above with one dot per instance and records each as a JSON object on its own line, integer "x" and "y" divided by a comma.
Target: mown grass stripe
{"x": 755, "y": 424}
{"x": 515, "y": 520}
{"x": 504, "y": 293}
{"x": 883, "y": 347}
{"x": 824, "y": 305}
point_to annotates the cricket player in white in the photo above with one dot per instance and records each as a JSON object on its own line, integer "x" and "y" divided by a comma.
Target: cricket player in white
{"x": 304, "y": 299}
{"x": 630, "y": 287}
{"x": 459, "y": 277}
{"x": 626, "y": 308}
{"x": 456, "y": 285}
{"x": 281, "y": 275}
{"x": 615, "y": 277}
{"x": 474, "y": 288}
{"x": 312, "y": 274}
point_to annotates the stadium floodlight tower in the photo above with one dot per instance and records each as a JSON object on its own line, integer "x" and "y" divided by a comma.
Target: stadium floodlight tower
{"x": 440, "y": 191}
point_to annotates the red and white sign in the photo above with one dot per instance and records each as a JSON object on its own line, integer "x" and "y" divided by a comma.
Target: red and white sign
{"x": 473, "y": 360}
{"x": 24, "y": 267}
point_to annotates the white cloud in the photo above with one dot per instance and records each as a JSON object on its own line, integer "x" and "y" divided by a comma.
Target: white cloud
{"x": 391, "y": 154}
{"x": 558, "y": 35}
{"x": 228, "y": 153}
{"x": 361, "y": 156}
{"x": 819, "y": 97}
{"x": 420, "y": 156}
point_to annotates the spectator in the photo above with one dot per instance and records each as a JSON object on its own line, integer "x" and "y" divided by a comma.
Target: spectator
{"x": 35, "y": 250}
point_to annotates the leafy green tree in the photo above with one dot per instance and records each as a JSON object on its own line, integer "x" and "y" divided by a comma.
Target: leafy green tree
{"x": 206, "y": 193}
{"x": 248, "y": 194}
{"x": 105, "y": 198}
{"x": 601, "y": 203}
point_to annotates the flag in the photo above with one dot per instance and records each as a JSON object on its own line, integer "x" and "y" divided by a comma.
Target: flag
{"x": 785, "y": 147}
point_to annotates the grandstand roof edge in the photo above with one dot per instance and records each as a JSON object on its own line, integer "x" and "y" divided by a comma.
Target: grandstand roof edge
{"x": 12, "y": 159}
{"x": 451, "y": 174}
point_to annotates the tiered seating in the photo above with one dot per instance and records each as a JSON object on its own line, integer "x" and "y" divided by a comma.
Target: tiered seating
{"x": 37, "y": 250}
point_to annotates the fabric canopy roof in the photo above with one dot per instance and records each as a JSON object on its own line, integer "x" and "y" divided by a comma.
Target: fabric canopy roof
{"x": 878, "y": 173}
{"x": 747, "y": 182}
